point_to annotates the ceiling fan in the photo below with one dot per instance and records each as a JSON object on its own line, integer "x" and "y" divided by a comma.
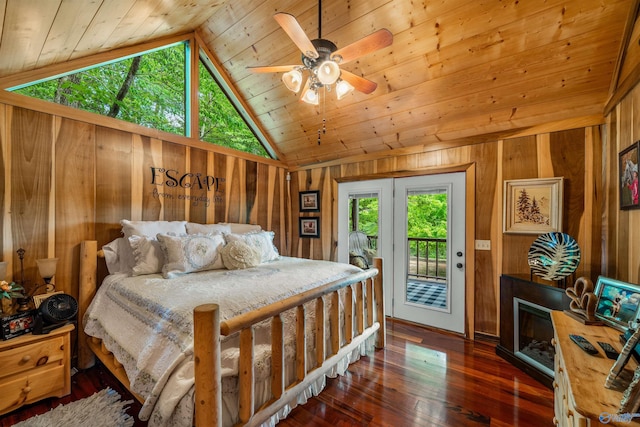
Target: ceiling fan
{"x": 321, "y": 59}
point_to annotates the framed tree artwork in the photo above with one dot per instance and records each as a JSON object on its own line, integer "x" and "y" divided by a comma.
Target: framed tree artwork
{"x": 532, "y": 206}
{"x": 628, "y": 177}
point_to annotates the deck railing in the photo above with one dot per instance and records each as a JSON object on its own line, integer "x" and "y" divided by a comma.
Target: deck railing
{"x": 427, "y": 257}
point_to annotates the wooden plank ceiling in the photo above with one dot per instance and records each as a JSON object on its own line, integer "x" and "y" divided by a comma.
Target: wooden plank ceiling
{"x": 458, "y": 71}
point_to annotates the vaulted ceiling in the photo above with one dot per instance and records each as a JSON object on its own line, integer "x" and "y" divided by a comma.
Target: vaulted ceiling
{"x": 458, "y": 71}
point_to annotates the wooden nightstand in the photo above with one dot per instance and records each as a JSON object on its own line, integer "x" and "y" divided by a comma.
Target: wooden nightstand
{"x": 35, "y": 367}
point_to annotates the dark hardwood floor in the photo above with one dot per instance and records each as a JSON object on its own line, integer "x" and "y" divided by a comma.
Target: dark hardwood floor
{"x": 422, "y": 378}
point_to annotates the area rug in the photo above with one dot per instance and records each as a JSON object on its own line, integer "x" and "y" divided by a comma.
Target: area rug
{"x": 427, "y": 293}
{"x": 104, "y": 408}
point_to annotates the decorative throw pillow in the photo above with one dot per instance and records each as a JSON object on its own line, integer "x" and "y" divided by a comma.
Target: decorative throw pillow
{"x": 238, "y": 255}
{"x": 262, "y": 240}
{"x": 147, "y": 255}
{"x": 188, "y": 254}
{"x": 195, "y": 228}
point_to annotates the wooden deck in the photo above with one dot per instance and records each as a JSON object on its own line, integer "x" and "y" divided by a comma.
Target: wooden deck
{"x": 422, "y": 378}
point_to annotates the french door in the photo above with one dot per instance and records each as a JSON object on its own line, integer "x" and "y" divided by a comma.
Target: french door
{"x": 418, "y": 228}
{"x": 429, "y": 244}
{"x": 354, "y": 200}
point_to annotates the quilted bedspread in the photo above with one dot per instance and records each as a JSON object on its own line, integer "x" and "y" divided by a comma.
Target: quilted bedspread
{"x": 146, "y": 321}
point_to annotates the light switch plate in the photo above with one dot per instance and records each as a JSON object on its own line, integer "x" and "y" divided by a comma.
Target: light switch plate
{"x": 483, "y": 245}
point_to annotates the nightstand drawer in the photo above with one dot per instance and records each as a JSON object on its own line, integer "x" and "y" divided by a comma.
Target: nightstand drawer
{"x": 32, "y": 386}
{"x": 31, "y": 355}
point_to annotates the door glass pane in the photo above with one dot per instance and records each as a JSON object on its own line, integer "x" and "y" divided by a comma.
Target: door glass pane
{"x": 427, "y": 223}
{"x": 363, "y": 227}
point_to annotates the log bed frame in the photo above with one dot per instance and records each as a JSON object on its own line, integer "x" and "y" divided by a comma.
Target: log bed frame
{"x": 369, "y": 319}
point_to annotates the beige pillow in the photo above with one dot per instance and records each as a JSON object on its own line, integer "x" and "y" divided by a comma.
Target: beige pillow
{"x": 153, "y": 228}
{"x": 238, "y": 255}
{"x": 195, "y": 228}
{"x": 239, "y": 228}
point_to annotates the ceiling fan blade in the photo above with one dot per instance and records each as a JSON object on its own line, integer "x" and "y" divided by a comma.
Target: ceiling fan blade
{"x": 359, "y": 83}
{"x": 295, "y": 32}
{"x": 374, "y": 41}
{"x": 272, "y": 68}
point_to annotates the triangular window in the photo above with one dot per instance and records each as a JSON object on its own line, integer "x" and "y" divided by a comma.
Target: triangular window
{"x": 223, "y": 121}
{"x": 151, "y": 89}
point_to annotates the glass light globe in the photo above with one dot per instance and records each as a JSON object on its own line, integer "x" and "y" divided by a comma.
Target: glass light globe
{"x": 310, "y": 96}
{"x": 343, "y": 88}
{"x": 292, "y": 80}
{"x": 328, "y": 72}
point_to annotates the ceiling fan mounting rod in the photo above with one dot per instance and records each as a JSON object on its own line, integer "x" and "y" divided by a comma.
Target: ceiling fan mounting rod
{"x": 319, "y": 19}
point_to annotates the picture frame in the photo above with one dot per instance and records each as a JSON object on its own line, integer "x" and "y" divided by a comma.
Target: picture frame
{"x": 532, "y": 206}
{"x": 618, "y": 302}
{"x": 17, "y": 324}
{"x": 622, "y": 359}
{"x": 630, "y": 402}
{"x": 309, "y": 227}
{"x": 628, "y": 176}
{"x": 310, "y": 201}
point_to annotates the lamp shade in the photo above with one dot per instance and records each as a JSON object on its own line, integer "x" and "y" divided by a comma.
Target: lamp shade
{"x": 343, "y": 88}
{"x": 292, "y": 80}
{"x": 328, "y": 72}
{"x": 47, "y": 268}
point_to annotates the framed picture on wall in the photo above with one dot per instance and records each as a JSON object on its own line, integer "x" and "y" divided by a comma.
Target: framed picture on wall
{"x": 628, "y": 177}
{"x": 310, "y": 227}
{"x": 532, "y": 206}
{"x": 310, "y": 201}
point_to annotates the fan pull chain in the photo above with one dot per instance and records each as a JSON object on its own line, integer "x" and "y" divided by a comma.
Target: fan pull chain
{"x": 324, "y": 119}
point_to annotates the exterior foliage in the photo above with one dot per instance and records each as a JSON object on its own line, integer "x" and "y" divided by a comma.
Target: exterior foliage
{"x": 150, "y": 90}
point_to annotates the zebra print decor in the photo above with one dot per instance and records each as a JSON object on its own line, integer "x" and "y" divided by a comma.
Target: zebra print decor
{"x": 553, "y": 256}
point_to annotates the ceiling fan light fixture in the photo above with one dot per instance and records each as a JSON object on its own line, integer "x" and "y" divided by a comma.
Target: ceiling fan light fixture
{"x": 292, "y": 80}
{"x": 328, "y": 72}
{"x": 343, "y": 88}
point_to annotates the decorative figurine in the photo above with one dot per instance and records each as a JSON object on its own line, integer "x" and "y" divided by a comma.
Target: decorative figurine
{"x": 583, "y": 301}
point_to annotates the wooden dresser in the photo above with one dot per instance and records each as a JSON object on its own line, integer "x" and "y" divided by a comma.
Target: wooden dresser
{"x": 34, "y": 367}
{"x": 580, "y": 397}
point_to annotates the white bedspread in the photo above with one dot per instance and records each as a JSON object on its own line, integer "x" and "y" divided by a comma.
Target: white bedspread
{"x": 146, "y": 321}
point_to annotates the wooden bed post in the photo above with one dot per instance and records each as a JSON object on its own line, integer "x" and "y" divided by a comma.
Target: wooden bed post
{"x": 87, "y": 290}
{"x": 206, "y": 354}
{"x": 381, "y": 335}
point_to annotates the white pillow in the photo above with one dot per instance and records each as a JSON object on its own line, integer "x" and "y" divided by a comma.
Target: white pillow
{"x": 118, "y": 256}
{"x": 262, "y": 240}
{"x": 238, "y": 228}
{"x": 188, "y": 254}
{"x": 147, "y": 255}
{"x": 153, "y": 228}
{"x": 195, "y": 228}
{"x": 238, "y": 255}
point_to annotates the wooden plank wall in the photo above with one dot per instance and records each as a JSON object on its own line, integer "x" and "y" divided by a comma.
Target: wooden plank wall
{"x": 66, "y": 180}
{"x": 574, "y": 154}
{"x": 622, "y": 227}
